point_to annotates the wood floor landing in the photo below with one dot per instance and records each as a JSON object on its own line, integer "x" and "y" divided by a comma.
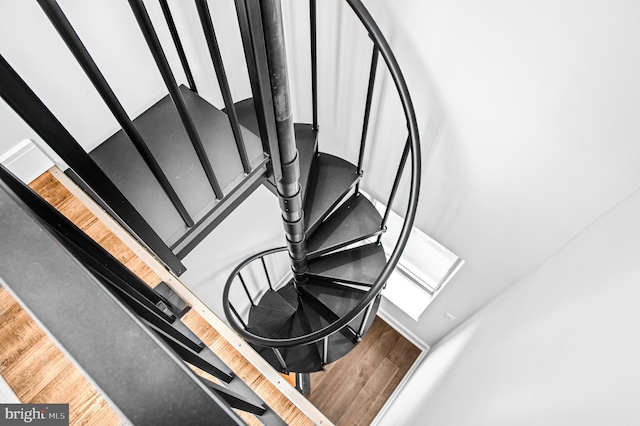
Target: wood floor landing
{"x": 38, "y": 372}
{"x": 352, "y": 390}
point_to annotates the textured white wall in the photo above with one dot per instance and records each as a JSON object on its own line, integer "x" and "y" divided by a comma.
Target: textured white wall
{"x": 559, "y": 348}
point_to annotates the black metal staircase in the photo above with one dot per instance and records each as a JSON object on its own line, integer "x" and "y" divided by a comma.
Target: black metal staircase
{"x": 175, "y": 172}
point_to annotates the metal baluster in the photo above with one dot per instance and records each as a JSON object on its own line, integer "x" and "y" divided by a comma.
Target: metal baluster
{"x": 250, "y": 21}
{"x": 396, "y": 183}
{"x": 244, "y": 325}
{"x": 367, "y": 111}
{"x": 79, "y": 51}
{"x": 216, "y": 58}
{"x": 246, "y": 289}
{"x": 367, "y": 314}
{"x": 266, "y": 272}
{"x": 314, "y": 61}
{"x": 281, "y": 360}
{"x": 166, "y": 11}
{"x": 151, "y": 37}
{"x": 325, "y": 350}
{"x": 31, "y": 109}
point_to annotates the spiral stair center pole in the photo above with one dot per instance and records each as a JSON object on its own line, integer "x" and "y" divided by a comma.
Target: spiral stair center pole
{"x": 288, "y": 187}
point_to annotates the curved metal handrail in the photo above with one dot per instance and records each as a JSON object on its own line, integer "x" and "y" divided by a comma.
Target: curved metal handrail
{"x": 414, "y": 140}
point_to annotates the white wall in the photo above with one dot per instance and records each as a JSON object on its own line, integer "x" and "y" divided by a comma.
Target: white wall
{"x": 528, "y": 113}
{"x": 559, "y": 348}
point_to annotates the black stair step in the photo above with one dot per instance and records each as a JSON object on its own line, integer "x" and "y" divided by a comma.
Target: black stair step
{"x": 167, "y": 139}
{"x": 340, "y": 300}
{"x": 359, "y": 265}
{"x": 355, "y": 220}
{"x": 274, "y": 301}
{"x": 330, "y": 180}
{"x": 289, "y": 293}
{"x": 301, "y": 359}
{"x": 263, "y": 322}
{"x": 306, "y": 141}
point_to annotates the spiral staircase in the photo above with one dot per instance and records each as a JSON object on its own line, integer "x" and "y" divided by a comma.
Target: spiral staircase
{"x": 144, "y": 175}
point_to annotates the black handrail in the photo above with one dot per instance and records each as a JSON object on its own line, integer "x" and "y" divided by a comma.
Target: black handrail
{"x": 414, "y": 141}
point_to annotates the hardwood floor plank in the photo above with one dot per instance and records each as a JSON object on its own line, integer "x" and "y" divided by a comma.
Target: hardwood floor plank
{"x": 364, "y": 401}
{"x": 356, "y": 380}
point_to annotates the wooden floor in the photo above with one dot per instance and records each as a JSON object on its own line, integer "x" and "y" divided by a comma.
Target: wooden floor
{"x": 36, "y": 369}
{"x": 352, "y": 390}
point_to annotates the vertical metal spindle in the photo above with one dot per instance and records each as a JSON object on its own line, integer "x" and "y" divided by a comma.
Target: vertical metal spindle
{"x": 166, "y": 11}
{"x": 363, "y": 325}
{"x": 281, "y": 360}
{"x": 80, "y": 52}
{"x": 266, "y": 272}
{"x": 216, "y": 58}
{"x": 367, "y": 111}
{"x": 396, "y": 183}
{"x": 251, "y": 30}
{"x": 325, "y": 350}
{"x": 314, "y": 61}
{"x": 246, "y": 290}
{"x": 30, "y": 108}
{"x": 151, "y": 37}
{"x": 233, "y": 309}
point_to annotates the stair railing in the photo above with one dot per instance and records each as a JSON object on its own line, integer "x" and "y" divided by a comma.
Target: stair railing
{"x": 412, "y": 146}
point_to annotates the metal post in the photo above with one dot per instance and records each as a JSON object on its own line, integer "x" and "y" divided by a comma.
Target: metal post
{"x": 166, "y": 11}
{"x": 325, "y": 350}
{"x": 363, "y": 325}
{"x": 396, "y": 183}
{"x": 367, "y": 111}
{"x": 151, "y": 37}
{"x": 235, "y": 312}
{"x": 246, "y": 290}
{"x": 250, "y": 21}
{"x": 266, "y": 273}
{"x": 79, "y": 51}
{"x": 289, "y": 186}
{"x": 31, "y": 109}
{"x": 314, "y": 61}
{"x": 216, "y": 58}
{"x": 281, "y": 360}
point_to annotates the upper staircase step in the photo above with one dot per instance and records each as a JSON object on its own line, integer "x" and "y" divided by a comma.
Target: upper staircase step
{"x": 330, "y": 180}
{"x": 164, "y": 133}
{"x": 359, "y": 265}
{"x": 355, "y": 220}
{"x": 338, "y": 299}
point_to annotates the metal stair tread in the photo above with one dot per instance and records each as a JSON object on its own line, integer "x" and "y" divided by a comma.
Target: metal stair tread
{"x": 338, "y": 299}
{"x": 330, "y": 180}
{"x": 302, "y": 359}
{"x": 359, "y": 265}
{"x": 166, "y": 138}
{"x": 289, "y": 293}
{"x": 356, "y": 219}
{"x": 274, "y": 301}
{"x": 263, "y": 323}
